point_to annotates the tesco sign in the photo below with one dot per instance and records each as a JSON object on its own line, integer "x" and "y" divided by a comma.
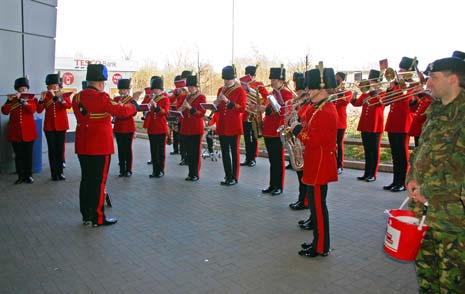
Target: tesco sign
{"x": 116, "y": 77}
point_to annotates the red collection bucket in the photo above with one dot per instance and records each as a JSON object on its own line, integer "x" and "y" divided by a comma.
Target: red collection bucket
{"x": 404, "y": 233}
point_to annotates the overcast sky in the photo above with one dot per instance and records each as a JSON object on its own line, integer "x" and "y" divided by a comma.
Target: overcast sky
{"x": 344, "y": 34}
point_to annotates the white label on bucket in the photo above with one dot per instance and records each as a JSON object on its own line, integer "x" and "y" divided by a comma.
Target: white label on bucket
{"x": 392, "y": 238}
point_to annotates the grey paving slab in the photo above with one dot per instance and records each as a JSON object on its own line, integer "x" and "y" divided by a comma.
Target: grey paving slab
{"x": 175, "y": 236}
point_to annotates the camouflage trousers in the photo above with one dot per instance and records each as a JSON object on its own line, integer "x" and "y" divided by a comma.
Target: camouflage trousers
{"x": 440, "y": 264}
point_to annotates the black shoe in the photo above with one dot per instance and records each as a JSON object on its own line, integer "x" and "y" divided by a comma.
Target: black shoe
{"x": 247, "y": 162}
{"x": 252, "y": 163}
{"x": 229, "y": 182}
{"x": 363, "y": 178}
{"x": 277, "y": 191}
{"x": 61, "y": 177}
{"x": 19, "y": 181}
{"x": 29, "y": 180}
{"x": 108, "y": 199}
{"x": 64, "y": 164}
{"x": 370, "y": 179}
{"x": 297, "y": 206}
{"x": 302, "y": 221}
{"x": 160, "y": 174}
{"x": 128, "y": 174}
{"x": 311, "y": 253}
{"x": 149, "y": 162}
{"x": 54, "y": 178}
{"x": 267, "y": 190}
{"x": 388, "y": 187}
{"x": 289, "y": 166}
{"x": 121, "y": 174}
{"x": 306, "y": 245}
{"x": 174, "y": 152}
{"x": 308, "y": 225}
{"x": 339, "y": 170}
{"x": 183, "y": 162}
{"x": 192, "y": 179}
{"x": 398, "y": 188}
{"x": 106, "y": 222}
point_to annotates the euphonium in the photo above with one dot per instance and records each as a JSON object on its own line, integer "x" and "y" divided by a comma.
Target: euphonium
{"x": 292, "y": 143}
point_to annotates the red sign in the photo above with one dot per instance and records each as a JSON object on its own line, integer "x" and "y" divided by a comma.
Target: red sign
{"x": 68, "y": 78}
{"x": 116, "y": 77}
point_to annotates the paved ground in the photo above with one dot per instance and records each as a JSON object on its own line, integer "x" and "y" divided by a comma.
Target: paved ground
{"x": 175, "y": 236}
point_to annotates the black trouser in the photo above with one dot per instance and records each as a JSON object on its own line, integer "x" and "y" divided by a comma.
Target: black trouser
{"x": 157, "y": 152}
{"x": 56, "y": 144}
{"x": 209, "y": 139}
{"x": 23, "y": 158}
{"x": 371, "y": 143}
{"x": 230, "y": 156}
{"x": 250, "y": 141}
{"x": 193, "y": 143}
{"x": 275, "y": 150}
{"x": 319, "y": 214}
{"x": 176, "y": 141}
{"x": 182, "y": 144}
{"x": 398, "y": 143}
{"x": 303, "y": 190}
{"x": 124, "y": 141}
{"x": 94, "y": 171}
{"x": 340, "y": 147}
{"x": 417, "y": 140}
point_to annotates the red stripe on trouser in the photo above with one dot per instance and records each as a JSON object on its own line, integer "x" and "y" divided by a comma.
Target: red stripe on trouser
{"x": 199, "y": 158}
{"x": 238, "y": 157}
{"x": 256, "y": 148}
{"x": 101, "y": 202}
{"x": 319, "y": 219}
{"x": 283, "y": 168}
{"x": 131, "y": 155}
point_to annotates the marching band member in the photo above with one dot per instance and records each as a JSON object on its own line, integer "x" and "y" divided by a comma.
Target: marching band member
{"x": 341, "y": 107}
{"x": 418, "y": 107}
{"x": 124, "y": 129}
{"x": 320, "y": 166}
{"x": 250, "y": 138}
{"x": 93, "y": 109}
{"x": 182, "y": 145}
{"x": 230, "y": 103}
{"x": 302, "y": 201}
{"x": 178, "y": 95}
{"x": 55, "y": 104}
{"x": 397, "y": 124}
{"x": 22, "y": 130}
{"x": 371, "y": 126}
{"x": 193, "y": 126}
{"x": 156, "y": 126}
{"x": 272, "y": 121}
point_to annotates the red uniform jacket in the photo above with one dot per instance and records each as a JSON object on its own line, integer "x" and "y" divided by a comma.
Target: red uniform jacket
{"x": 272, "y": 122}
{"x": 21, "y": 126}
{"x": 319, "y": 136}
{"x": 257, "y": 86}
{"x": 155, "y": 123}
{"x": 179, "y": 101}
{"x": 193, "y": 123}
{"x": 124, "y": 124}
{"x": 229, "y": 120}
{"x": 399, "y": 118}
{"x": 341, "y": 107}
{"x": 419, "y": 116}
{"x": 372, "y": 117}
{"x": 56, "y": 117}
{"x": 93, "y": 110}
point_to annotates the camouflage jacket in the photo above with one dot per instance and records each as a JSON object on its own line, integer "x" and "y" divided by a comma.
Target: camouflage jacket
{"x": 438, "y": 163}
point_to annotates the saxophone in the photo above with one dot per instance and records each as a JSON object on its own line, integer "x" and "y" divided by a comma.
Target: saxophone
{"x": 290, "y": 142}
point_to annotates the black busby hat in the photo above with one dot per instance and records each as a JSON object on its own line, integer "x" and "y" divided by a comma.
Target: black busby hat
{"x": 313, "y": 79}
{"x": 459, "y": 54}
{"x": 228, "y": 73}
{"x": 277, "y": 74}
{"x": 297, "y": 75}
{"x": 251, "y": 70}
{"x": 124, "y": 84}
{"x": 96, "y": 73}
{"x": 177, "y": 78}
{"x": 374, "y": 74}
{"x": 156, "y": 83}
{"x": 185, "y": 74}
{"x": 52, "y": 79}
{"x": 342, "y": 75}
{"x": 84, "y": 84}
{"x": 448, "y": 64}
{"x": 191, "y": 81}
{"x": 21, "y": 82}
{"x": 407, "y": 63}
{"x": 300, "y": 83}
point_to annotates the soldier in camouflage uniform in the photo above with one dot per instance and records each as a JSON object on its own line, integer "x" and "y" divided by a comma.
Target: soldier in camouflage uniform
{"x": 437, "y": 176}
